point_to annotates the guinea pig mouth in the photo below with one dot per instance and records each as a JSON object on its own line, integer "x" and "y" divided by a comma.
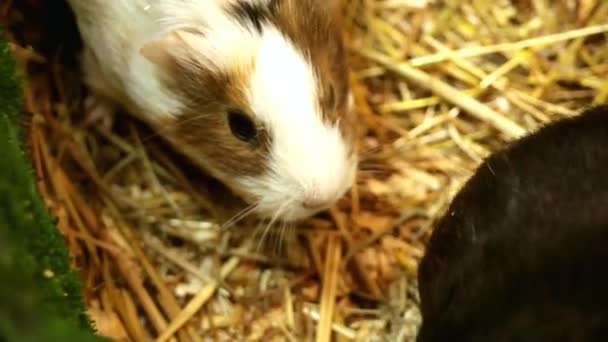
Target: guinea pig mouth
{"x": 289, "y": 201}
{"x": 287, "y": 213}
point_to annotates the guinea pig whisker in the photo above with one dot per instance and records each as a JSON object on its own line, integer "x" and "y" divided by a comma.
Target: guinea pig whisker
{"x": 259, "y": 226}
{"x": 265, "y": 233}
{"x": 276, "y": 241}
{"x": 264, "y": 236}
{"x": 286, "y": 235}
{"x": 281, "y": 241}
{"x": 240, "y": 216}
{"x": 270, "y": 224}
{"x": 273, "y": 239}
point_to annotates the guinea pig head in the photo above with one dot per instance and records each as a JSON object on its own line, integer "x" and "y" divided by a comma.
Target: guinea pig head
{"x": 266, "y": 102}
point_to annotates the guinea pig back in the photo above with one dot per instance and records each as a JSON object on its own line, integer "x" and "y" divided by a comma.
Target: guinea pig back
{"x": 522, "y": 252}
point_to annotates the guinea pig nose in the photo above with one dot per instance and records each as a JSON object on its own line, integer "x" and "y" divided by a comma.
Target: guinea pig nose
{"x": 315, "y": 203}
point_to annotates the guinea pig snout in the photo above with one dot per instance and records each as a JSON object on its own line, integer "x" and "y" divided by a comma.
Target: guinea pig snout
{"x": 312, "y": 202}
{"x": 318, "y": 197}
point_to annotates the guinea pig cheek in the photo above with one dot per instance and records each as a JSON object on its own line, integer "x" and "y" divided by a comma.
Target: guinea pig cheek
{"x": 211, "y": 146}
{"x": 201, "y": 129}
{"x": 306, "y": 175}
{"x": 202, "y": 133}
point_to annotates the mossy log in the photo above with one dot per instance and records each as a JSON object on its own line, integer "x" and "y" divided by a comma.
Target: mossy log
{"x": 40, "y": 294}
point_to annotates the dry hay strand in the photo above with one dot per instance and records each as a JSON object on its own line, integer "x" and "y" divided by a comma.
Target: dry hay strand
{"x": 438, "y": 85}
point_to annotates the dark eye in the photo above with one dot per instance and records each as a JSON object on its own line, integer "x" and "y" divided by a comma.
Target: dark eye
{"x": 241, "y": 126}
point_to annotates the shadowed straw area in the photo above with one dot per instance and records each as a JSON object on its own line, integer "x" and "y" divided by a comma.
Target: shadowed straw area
{"x": 438, "y": 85}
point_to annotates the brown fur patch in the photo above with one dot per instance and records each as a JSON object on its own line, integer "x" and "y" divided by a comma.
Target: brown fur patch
{"x": 209, "y": 95}
{"x": 314, "y": 28}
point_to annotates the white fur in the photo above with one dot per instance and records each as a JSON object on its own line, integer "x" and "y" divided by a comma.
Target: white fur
{"x": 118, "y": 29}
{"x": 308, "y": 158}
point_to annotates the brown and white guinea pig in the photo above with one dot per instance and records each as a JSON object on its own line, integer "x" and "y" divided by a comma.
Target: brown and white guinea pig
{"x": 522, "y": 252}
{"x": 255, "y": 92}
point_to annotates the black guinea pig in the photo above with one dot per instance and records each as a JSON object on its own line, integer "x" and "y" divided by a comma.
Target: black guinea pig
{"x": 522, "y": 252}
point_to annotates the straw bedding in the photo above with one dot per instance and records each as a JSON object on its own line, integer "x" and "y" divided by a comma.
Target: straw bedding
{"x": 438, "y": 86}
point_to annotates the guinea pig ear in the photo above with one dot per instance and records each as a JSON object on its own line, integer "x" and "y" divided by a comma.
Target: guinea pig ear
{"x": 166, "y": 51}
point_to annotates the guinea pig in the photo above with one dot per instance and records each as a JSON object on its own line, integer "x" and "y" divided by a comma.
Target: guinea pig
{"x": 254, "y": 92}
{"x": 522, "y": 252}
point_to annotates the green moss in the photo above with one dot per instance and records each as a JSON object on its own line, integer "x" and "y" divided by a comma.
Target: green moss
{"x": 33, "y": 307}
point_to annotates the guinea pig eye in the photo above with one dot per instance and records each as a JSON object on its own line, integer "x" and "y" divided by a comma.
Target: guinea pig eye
{"x": 241, "y": 126}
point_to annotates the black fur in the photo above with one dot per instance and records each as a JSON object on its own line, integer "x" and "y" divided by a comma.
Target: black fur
{"x": 522, "y": 252}
{"x": 250, "y": 14}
